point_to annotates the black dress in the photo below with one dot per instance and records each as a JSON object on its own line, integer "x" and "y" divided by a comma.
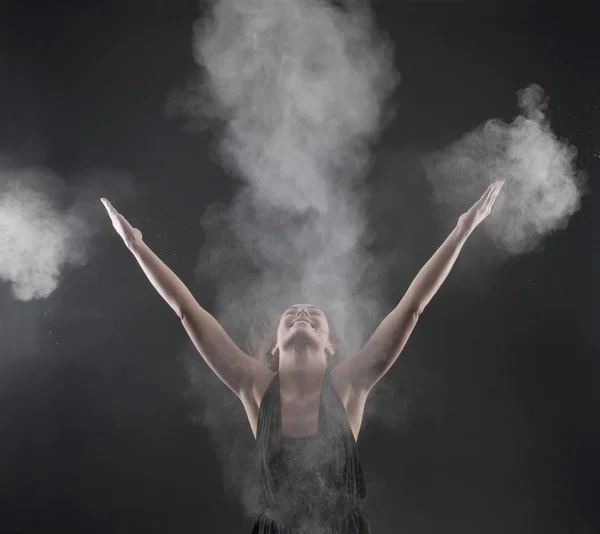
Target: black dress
{"x": 309, "y": 485}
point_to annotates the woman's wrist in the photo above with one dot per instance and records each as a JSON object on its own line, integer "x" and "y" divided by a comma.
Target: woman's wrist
{"x": 134, "y": 244}
{"x": 463, "y": 229}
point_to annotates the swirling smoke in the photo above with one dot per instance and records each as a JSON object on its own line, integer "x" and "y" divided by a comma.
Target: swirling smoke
{"x": 299, "y": 89}
{"x": 46, "y": 228}
{"x": 544, "y": 187}
{"x": 38, "y": 240}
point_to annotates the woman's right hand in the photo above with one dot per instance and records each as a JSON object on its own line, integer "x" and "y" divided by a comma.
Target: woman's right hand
{"x": 128, "y": 233}
{"x": 469, "y": 220}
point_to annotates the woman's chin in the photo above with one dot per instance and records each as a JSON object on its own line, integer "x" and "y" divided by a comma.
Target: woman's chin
{"x": 300, "y": 337}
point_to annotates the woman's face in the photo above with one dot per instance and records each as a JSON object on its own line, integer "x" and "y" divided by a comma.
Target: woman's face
{"x": 304, "y": 324}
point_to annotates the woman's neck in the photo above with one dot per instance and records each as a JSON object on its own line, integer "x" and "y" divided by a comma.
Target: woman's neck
{"x": 301, "y": 375}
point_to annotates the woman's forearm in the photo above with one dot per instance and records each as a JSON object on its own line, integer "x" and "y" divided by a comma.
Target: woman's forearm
{"x": 165, "y": 281}
{"x": 370, "y": 363}
{"x": 434, "y": 272}
{"x": 236, "y": 369}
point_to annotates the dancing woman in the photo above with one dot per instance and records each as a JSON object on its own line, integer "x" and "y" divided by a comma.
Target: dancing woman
{"x": 306, "y": 417}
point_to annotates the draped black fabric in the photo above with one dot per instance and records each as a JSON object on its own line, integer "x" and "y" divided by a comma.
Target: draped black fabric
{"x": 314, "y": 484}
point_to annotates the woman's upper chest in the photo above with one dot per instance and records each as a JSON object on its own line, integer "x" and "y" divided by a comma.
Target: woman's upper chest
{"x": 300, "y": 412}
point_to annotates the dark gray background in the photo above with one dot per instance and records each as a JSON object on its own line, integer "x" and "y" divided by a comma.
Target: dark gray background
{"x": 95, "y": 432}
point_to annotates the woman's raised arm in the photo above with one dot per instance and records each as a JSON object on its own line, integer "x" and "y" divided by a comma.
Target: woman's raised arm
{"x": 240, "y": 372}
{"x": 361, "y": 371}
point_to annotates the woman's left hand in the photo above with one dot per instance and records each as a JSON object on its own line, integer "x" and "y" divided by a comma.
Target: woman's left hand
{"x": 128, "y": 233}
{"x": 469, "y": 220}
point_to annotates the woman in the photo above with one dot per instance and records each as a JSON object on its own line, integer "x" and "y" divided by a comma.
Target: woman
{"x": 306, "y": 417}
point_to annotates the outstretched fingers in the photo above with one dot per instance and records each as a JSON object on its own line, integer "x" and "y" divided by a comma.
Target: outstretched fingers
{"x": 482, "y": 208}
{"x": 121, "y": 225}
{"x": 109, "y": 207}
{"x": 495, "y": 192}
{"x": 116, "y": 218}
{"x": 489, "y": 197}
{"x": 114, "y": 215}
{"x": 483, "y": 201}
